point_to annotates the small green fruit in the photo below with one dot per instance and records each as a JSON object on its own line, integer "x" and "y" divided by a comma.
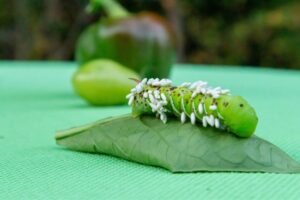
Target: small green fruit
{"x": 104, "y": 82}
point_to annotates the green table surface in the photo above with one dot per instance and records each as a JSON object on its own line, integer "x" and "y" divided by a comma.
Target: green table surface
{"x": 37, "y": 99}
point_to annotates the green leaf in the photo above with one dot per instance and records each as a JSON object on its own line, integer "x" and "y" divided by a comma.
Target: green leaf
{"x": 177, "y": 147}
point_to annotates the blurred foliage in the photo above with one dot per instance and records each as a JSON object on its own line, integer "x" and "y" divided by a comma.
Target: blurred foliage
{"x": 40, "y": 29}
{"x": 243, "y": 32}
{"x": 239, "y": 32}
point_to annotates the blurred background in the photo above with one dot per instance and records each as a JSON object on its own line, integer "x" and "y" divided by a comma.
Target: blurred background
{"x": 235, "y": 32}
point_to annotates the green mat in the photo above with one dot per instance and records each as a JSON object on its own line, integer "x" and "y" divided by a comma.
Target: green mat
{"x": 36, "y": 99}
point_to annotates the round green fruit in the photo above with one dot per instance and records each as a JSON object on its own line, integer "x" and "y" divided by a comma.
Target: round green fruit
{"x": 103, "y": 82}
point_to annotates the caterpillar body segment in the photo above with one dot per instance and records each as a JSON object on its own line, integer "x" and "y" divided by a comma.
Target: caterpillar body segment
{"x": 194, "y": 102}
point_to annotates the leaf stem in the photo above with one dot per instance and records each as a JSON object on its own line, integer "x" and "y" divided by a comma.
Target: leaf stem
{"x": 112, "y": 8}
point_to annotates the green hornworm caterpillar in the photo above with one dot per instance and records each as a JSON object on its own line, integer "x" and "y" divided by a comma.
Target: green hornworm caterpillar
{"x": 197, "y": 101}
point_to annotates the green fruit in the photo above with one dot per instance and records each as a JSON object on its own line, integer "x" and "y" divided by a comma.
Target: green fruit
{"x": 103, "y": 82}
{"x": 144, "y": 42}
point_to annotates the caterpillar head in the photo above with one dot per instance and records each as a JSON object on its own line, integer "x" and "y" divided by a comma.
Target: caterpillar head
{"x": 241, "y": 118}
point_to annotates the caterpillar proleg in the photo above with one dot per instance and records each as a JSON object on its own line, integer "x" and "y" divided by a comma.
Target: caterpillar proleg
{"x": 195, "y": 102}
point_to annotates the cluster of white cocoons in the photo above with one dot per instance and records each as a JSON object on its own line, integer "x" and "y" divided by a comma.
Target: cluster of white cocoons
{"x": 157, "y": 101}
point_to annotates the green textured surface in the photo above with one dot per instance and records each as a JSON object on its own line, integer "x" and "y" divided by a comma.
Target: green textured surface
{"x": 37, "y": 99}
